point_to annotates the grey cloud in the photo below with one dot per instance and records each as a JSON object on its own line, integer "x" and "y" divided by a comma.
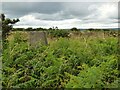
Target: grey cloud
{"x": 22, "y": 8}
{"x": 69, "y": 10}
{"x": 66, "y": 10}
{"x": 77, "y": 9}
{"x": 57, "y": 11}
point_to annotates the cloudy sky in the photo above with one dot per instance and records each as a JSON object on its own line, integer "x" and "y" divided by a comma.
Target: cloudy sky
{"x": 63, "y": 14}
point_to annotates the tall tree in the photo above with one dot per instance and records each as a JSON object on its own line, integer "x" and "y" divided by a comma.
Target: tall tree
{"x": 7, "y": 25}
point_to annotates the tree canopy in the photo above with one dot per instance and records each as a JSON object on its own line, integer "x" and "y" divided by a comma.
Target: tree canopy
{"x": 7, "y": 25}
{"x": 74, "y": 29}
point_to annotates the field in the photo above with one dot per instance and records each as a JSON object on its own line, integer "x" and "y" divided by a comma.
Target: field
{"x": 82, "y": 60}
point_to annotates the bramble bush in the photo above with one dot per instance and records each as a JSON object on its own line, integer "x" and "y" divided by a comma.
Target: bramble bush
{"x": 65, "y": 63}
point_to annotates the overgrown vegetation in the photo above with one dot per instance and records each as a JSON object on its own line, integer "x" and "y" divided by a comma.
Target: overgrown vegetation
{"x": 66, "y": 63}
{"x": 58, "y": 33}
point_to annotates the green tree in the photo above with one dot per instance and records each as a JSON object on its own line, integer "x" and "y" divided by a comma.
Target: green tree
{"x": 74, "y": 29}
{"x": 91, "y": 29}
{"x": 29, "y": 29}
{"x": 7, "y": 25}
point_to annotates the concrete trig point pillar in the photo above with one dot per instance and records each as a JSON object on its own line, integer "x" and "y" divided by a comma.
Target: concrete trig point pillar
{"x": 36, "y": 37}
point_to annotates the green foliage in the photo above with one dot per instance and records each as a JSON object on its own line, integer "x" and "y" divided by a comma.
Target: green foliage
{"x": 65, "y": 63}
{"x": 58, "y": 33}
{"x": 7, "y": 25}
{"x": 74, "y": 29}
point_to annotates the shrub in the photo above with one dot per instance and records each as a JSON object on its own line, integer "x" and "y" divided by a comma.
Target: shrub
{"x": 58, "y": 33}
